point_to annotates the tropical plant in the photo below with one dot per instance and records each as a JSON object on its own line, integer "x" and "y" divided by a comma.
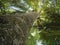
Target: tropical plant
{"x": 49, "y": 21}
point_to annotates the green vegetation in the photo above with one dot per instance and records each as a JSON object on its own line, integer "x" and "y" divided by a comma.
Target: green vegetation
{"x": 49, "y": 18}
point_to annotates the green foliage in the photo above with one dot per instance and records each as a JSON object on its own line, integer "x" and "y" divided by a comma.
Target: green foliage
{"x": 33, "y": 36}
{"x": 5, "y": 6}
{"x": 50, "y": 14}
{"x": 31, "y": 41}
{"x": 34, "y": 4}
{"x": 50, "y": 21}
{"x": 24, "y": 5}
{"x": 49, "y": 11}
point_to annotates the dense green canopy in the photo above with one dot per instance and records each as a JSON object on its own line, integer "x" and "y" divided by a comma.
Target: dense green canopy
{"x": 49, "y": 13}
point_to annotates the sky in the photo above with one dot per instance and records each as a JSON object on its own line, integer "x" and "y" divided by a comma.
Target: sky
{"x": 38, "y": 42}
